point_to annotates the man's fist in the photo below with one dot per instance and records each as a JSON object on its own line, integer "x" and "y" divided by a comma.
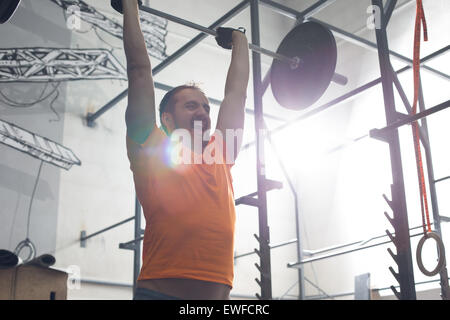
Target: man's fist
{"x": 225, "y": 36}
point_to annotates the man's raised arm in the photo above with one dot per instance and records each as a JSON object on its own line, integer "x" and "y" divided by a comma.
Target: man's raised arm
{"x": 232, "y": 109}
{"x": 140, "y": 114}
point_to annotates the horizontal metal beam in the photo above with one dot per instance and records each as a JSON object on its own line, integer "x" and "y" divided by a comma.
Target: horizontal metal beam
{"x": 271, "y": 246}
{"x": 329, "y": 296}
{"x": 266, "y": 115}
{"x": 324, "y": 107}
{"x": 212, "y": 32}
{"x": 422, "y": 132}
{"x": 298, "y": 264}
{"x": 282, "y": 9}
{"x": 107, "y": 283}
{"x": 337, "y": 295}
{"x": 316, "y": 7}
{"x": 129, "y": 285}
{"x": 84, "y": 237}
{"x": 345, "y": 97}
{"x": 417, "y": 283}
{"x": 294, "y": 14}
{"x": 247, "y": 200}
{"x": 441, "y": 179}
{"x": 130, "y": 244}
{"x": 165, "y": 87}
{"x": 361, "y": 242}
{"x": 376, "y": 133}
{"x": 373, "y": 46}
{"x": 307, "y": 15}
{"x": 250, "y": 199}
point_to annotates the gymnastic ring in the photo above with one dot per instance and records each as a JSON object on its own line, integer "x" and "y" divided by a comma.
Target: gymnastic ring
{"x": 441, "y": 262}
{"x": 26, "y": 243}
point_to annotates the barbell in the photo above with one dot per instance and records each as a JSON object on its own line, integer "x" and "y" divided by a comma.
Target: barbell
{"x": 303, "y": 66}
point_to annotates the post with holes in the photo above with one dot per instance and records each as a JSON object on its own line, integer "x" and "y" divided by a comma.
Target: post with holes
{"x": 401, "y": 240}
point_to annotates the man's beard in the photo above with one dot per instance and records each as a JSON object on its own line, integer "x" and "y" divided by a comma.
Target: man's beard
{"x": 205, "y": 128}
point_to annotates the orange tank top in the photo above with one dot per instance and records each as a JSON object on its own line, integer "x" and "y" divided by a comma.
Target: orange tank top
{"x": 189, "y": 212}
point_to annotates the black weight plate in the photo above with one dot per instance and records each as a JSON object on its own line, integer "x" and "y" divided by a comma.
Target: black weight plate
{"x": 7, "y": 9}
{"x": 299, "y": 88}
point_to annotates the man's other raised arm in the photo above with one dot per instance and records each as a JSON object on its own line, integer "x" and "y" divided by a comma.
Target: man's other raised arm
{"x": 232, "y": 110}
{"x": 140, "y": 114}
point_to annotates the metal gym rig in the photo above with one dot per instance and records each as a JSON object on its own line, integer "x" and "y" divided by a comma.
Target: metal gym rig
{"x": 401, "y": 237}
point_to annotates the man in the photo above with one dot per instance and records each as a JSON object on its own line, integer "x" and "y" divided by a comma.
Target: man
{"x": 189, "y": 208}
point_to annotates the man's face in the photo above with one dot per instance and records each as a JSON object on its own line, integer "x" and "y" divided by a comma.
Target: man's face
{"x": 190, "y": 107}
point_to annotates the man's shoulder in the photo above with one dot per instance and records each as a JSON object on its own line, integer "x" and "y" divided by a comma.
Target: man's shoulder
{"x": 154, "y": 138}
{"x": 140, "y": 153}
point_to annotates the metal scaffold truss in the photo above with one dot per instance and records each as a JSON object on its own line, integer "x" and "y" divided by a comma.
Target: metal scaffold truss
{"x": 37, "y": 146}
{"x": 58, "y": 64}
{"x": 153, "y": 27}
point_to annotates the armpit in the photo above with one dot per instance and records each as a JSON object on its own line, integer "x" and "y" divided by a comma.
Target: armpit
{"x": 139, "y": 154}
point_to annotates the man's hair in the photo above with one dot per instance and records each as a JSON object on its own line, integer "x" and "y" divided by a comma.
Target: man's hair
{"x": 167, "y": 103}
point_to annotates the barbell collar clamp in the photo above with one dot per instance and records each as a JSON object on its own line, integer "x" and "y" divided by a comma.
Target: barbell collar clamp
{"x": 339, "y": 79}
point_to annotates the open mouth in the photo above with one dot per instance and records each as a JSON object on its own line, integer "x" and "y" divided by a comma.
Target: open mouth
{"x": 200, "y": 124}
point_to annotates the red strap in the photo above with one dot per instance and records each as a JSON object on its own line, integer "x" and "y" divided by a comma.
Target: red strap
{"x": 420, "y": 21}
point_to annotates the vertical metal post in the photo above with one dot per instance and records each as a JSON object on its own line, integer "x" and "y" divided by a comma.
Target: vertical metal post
{"x": 137, "y": 244}
{"x": 301, "y": 282}
{"x": 301, "y": 278}
{"x": 264, "y": 233}
{"x": 402, "y": 242}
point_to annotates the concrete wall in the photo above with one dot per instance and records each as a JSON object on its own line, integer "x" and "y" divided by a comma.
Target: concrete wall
{"x": 18, "y": 171}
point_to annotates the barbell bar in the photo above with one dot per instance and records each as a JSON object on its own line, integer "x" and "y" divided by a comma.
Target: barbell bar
{"x": 293, "y": 62}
